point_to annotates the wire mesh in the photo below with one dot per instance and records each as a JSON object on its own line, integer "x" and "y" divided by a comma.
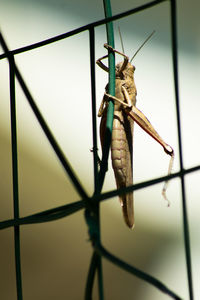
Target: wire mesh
{"x": 91, "y": 204}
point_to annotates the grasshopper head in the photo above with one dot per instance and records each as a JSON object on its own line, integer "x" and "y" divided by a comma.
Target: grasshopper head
{"x": 127, "y": 72}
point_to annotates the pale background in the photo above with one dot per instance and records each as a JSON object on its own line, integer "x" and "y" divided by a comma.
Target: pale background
{"x": 56, "y": 255}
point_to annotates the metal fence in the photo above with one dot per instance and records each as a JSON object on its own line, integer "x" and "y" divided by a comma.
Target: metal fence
{"x": 91, "y": 204}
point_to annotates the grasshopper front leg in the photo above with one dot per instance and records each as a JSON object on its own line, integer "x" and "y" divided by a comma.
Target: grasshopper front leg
{"x": 104, "y": 67}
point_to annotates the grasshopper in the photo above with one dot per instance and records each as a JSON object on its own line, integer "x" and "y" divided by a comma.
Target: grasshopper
{"x": 125, "y": 113}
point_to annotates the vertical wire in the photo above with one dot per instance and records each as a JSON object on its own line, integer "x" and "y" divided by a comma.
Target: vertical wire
{"x": 93, "y": 216}
{"x": 184, "y": 206}
{"x": 14, "y": 167}
{"x": 111, "y": 90}
{"x": 97, "y": 188}
{"x": 15, "y": 178}
{"x": 91, "y": 276}
{"x": 109, "y": 120}
{"x": 93, "y": 92}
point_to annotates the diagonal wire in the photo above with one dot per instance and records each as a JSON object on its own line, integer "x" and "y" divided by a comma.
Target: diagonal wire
{"x": 140, "y": 274}
{"x": 45, "y": 127}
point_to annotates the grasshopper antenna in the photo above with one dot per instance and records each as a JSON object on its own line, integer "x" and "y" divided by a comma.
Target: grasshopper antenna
{"x": 120, "y": 36}
{"x": 142, "y": 45}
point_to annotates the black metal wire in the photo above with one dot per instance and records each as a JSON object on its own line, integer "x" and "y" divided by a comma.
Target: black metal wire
{"x": 94, "y": 113}
{"x": 93, "y": 214}
{"x": 44, "y": 125}
{"x": 184, "y": 205}
{"x": 68, "y": 209}
{"x": 91, "y": 276}
{"x": 14, "y": 167}
{"x": 15, "y": 178}
{"x": 140, "y": 274}
{"x": 83, "y": 28}
{"x": 91, "y": 203}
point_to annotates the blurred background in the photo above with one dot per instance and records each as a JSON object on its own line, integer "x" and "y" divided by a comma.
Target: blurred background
{"x": 56, "y": 255}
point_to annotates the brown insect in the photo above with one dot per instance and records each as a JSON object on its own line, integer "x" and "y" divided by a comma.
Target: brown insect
{"x": 125, "y": 112}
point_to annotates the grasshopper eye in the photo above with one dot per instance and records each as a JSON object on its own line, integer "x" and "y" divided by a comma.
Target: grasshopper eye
{"x": 133, "y": 68}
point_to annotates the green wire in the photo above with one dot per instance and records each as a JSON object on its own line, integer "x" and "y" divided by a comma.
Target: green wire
{"x": 110, "y": 112}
